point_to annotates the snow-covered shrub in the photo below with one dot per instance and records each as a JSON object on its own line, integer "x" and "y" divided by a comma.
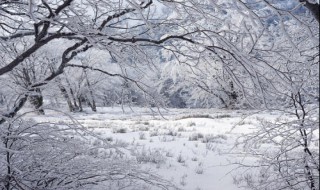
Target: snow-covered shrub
{"x": 181, "y": 159}
{"x": 199, "y": 170}
{"x": 143, "y": 128}
{"x": 171, "y": 133}
{"x": 119, "y": 130}
{"x": 149, "y": 156}
{"x": 154, "y": 133}
{"x": 167, "y": 138}
{"x": 37, "y": 155}
{"x": 142, "y": 136}
{"x": 181, "y": 129}
{"x": 214, "y": 138}
{"x": 285, "y": 154}
{"x": 169, "y": 154}
{"x": 191, "y": 124}
{"x": 195, "y": 136}
{"x": 194, "y": 159}
{"x": 183, "y": 180}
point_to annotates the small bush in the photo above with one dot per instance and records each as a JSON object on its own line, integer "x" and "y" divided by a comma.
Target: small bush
{"x": 183, "y": 180}
{"x": 143, "y": 128}
{"x": 169, "y": 154}
{"x": 195, "y": 136}
{"x": 171, "y": 133}
{"x": 154, "y": 133}
{"x": 222, "y": 116}
{"x": 97, "y": 142}
{"x": 210, "y": 146}
{"x": 150, "y": 156}
{"x": 199, "y": 168}
{"x": 196, "y": 116}
{"x": 142, "y": 136}
{"x": 143, "y": 123}
{"x": 120, "y": 130}
{"x": 167, "y": 138}
{"x": 180, "y": 159}
{"x": 245, "y": 123}
{"x": 121, "y": 143}
{"x": 191, "y": 123}
{"x": 194, "y": 159}
{"x": 214, "y": 138}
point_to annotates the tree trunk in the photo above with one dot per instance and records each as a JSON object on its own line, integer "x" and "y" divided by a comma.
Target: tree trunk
{"x": 93, "y": 102}
{"x": 74, "y": 99}
{"x": 66, "y": 97}
{"x": 80, "y": 103}
{"x": 233, "y": 96}
{"x": 313, "y": 8}
{"x": 36, "y": 99}
{"x": 8, "y": 156}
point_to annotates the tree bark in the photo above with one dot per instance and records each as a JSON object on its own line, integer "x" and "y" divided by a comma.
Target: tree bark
{"x": 93, "y": 102}
{"x": 20, "y": 103}
{"x": 313, "y": 8}
{"x": 66, "y": 97}
{"x": 37, "y": 101}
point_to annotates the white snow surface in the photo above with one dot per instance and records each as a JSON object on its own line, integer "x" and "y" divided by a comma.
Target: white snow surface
{"x": 167, "y": 143}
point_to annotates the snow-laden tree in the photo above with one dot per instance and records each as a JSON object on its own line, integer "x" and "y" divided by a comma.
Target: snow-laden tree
{"x": 270, "y": 50}
{"x": 266, "y": 53}
{"x": 48, "y": 156}
{"x": 244, "y": 40}
{"x": 120, "y": 28}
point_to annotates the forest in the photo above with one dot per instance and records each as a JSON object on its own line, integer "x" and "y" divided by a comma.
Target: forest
{"x": 159, "y": 94}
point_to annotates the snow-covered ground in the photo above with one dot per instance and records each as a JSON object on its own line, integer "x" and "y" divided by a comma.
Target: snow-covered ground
{"x": 191, "y": 147}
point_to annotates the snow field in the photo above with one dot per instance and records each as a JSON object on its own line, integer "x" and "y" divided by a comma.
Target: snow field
{"x": 194, "y": 151}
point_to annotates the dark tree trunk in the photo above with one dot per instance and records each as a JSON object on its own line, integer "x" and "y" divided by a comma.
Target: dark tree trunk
{"x": 80, "y": 103}
{"x": 8, "y": 177}
{"x": 93, "y": 102}
{"x": 66, "y": 97}
{"x": 74, "y": 99}
{"x": 18, "y": 105}
{"x": 36, "y": 99}
{"x": 92, "y": 105}
{"x": 313, "y": 8}
{"x": 233, "y": 96}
